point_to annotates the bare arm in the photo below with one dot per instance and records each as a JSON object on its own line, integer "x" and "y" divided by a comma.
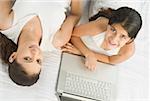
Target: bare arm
{"x": 6, "y": 14}
{"x": 125, "y": 53}
{"x": 73, "y": 18}
{"x": 91, "y": 29}
{"x": 64, "y": 34}
{"x": 92, "y": 57}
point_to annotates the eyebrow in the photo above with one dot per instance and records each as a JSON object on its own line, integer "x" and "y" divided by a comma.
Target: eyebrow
{"x": 113, "y": 28}
{"x": 30, "y": 62}
{"x": 26, "y": 61}
{"x": 121, "y": 33}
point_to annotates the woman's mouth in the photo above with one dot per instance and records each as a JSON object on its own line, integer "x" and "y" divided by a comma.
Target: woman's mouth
{"x": 34, "y": 46}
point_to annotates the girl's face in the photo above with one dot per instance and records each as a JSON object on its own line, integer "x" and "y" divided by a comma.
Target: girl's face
{"x": 116, "y": 36}
{"x": 29, "y": 56}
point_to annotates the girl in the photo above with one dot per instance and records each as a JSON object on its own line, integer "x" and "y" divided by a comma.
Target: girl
{"x": 108, "y": 37}
{"x": 24, "y": 55}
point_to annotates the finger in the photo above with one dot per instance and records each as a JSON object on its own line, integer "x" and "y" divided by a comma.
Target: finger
{"x": 68, "y": 47}
{"x": 86, "y": 65}
{"x": 67, "y": 50}
{"x": 64, "y": 49}
{"x": 91, "y": 68}
{"x": 69, "y": 44}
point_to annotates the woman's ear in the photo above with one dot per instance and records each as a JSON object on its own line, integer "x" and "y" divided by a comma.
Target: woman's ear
{"x": 12, "y": 57}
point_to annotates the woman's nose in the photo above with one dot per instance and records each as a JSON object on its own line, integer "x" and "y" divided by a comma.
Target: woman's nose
{"x": 35, "y": 51}
{"x": 34, "y": 55}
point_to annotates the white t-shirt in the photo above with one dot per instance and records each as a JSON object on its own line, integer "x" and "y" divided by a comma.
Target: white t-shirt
{"x": 16, "y": 28}
{"x": 50, "y": 12}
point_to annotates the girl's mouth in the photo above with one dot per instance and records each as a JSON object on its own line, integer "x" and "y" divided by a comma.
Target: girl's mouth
{"x": 112, "y": 44}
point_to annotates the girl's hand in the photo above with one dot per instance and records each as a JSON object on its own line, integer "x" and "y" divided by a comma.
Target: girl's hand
{"x": 91, "y": 61}
{"x": 71, "y": 49}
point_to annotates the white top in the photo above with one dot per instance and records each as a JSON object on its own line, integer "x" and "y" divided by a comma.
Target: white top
{"x": 14, "y": 32}
{"x": 50, "y": 12}
{"x": 94, "y": 43}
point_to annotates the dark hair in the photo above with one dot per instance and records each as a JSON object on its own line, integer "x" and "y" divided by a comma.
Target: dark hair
{"x": 129, "y": 18}
{"x": 12, "y": 3}
{"x": 19, "y": 76}
{"x": 16, "y": 71}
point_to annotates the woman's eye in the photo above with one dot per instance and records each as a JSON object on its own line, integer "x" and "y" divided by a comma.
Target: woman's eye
{"x": 27, "y": 58}
{"x": 39, "y": 61}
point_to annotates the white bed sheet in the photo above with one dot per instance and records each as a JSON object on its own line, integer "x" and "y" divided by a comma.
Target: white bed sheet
{"x": 132, "y": 74}
{"x": 43, "y": 90}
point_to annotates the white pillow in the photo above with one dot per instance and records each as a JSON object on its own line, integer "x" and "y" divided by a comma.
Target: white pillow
{"x": 96, "y": 5}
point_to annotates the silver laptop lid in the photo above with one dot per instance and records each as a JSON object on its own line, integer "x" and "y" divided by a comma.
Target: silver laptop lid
{"x": 75, "y": 64}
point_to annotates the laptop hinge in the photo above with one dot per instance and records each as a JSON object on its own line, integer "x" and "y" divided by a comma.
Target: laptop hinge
{"x": 76, "y": 97}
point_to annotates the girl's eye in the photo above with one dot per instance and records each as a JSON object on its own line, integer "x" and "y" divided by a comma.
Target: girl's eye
{"x": 113, "y": 30}
{"x": 123, "y": 36}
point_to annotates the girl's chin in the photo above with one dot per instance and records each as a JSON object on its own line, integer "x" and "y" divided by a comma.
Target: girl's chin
{"x": 110, "y": 47}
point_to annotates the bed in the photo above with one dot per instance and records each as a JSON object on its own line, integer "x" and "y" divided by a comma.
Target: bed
{"x": 132, "y": 74}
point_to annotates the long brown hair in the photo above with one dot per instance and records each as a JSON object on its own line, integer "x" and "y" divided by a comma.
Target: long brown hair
{"x": 129, "y": 18}
{"x": 16, "y": 71}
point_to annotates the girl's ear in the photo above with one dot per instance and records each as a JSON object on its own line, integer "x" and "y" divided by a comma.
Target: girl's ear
{"x": 12, "y": 57}
{"x": 131, "y": 40}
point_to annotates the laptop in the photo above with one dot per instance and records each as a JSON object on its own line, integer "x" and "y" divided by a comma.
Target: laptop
{"x": 78, "y": 83}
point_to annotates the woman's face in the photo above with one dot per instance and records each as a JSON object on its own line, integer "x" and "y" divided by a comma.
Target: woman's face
{"x": 116, "y": 36}
{"x": 5, "y": 4}
{"x": 29, "y": 56}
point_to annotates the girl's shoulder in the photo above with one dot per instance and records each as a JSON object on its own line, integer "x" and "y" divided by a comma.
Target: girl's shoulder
{"x": 91, "y": 28}
{"x": 102, "y": 22}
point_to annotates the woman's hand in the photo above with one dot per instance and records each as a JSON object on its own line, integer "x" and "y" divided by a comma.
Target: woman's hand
{"x": 71, "y": 49}
{"x": 91, "y": 61}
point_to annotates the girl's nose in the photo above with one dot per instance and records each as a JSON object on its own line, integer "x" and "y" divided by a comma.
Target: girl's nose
{"x": 115, "y": 39}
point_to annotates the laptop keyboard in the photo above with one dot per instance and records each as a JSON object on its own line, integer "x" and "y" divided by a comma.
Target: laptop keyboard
{"x": 81, "y": 86}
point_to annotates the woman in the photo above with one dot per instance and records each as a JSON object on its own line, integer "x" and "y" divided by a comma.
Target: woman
{"x": 108, "y": 37}
{"x": 29, "y": 20}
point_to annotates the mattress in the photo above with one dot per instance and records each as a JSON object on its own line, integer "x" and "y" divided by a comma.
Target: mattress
{"x": 43, "y": 90}
{"x": 132, "y": 74}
